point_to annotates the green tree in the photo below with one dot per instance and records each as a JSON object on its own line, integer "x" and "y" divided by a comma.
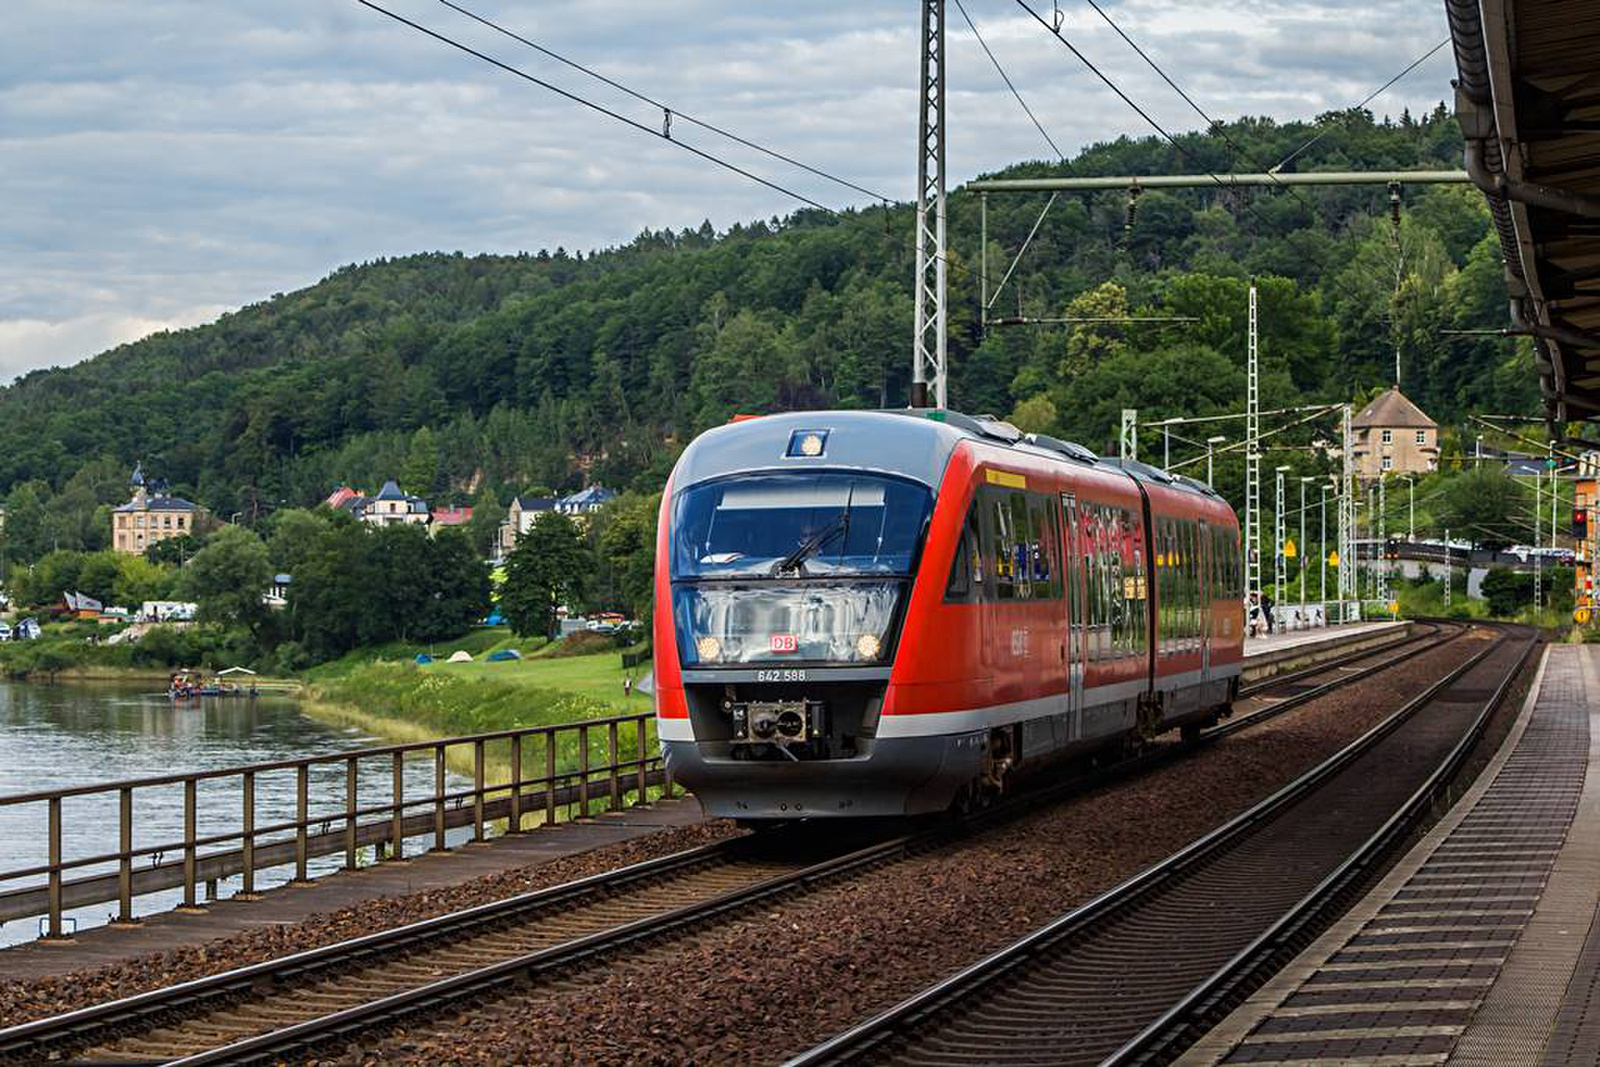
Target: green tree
{"x": 139, "y": 580}
{"x": 1037, "y": 414}
{"x": 628, "y": 547}
{"x": 1485, "y": 504}
{"x": 547, "y": 568}
{"x": 174, "y": 551}
{"x": 25, "y": 537}
{"x": 459, "y": 580}
{"x": 420, "y": 471}
{"x": 294, "y": 535}
{"x": 483, "y": 529}
{"x": 227, "y": 579}
{"x": 330, "y": 606}
{"x": 98, "y": 576}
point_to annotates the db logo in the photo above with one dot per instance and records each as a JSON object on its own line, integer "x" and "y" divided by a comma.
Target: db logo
{"x": 785, "y": 643}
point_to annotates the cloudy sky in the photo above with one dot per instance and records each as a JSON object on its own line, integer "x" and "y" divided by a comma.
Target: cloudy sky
{"x": 163, "y": 161}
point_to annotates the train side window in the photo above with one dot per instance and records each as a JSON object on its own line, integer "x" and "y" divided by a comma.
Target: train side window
{"x": 966, "y": 569}
{"x": 1134, "y": 586}
{"x": 1045, "y": 540}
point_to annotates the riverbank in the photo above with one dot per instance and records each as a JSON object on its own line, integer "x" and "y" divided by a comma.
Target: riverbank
{"x": 404, "y": 702}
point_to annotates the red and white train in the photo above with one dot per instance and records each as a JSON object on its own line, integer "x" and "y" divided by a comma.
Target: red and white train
{"x": 886, "y": 613}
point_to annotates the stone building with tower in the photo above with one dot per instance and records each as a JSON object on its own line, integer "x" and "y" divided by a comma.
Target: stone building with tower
{"x": 151, "y": 516}
{"x": 1394, "y": 436}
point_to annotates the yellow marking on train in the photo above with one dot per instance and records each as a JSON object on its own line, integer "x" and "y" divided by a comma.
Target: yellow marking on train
{"x": 1015, "y": 481}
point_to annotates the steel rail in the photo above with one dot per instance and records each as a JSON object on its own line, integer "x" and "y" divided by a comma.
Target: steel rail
{"x": 83, "y": 1026}
{"x": 1171, "y": 1033}
{"x": 1333, "y": 662}
{"x": 84, "y": 1023}
{"x": 863, "y": 1041}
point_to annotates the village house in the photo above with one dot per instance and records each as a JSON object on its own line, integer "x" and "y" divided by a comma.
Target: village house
{"x": 151, "y": 517}
{"x": 1394, "y": 436}
{"x": 442, "y": 518}
{"x": 391, "y": 507}
{"x": 526, "y": 510}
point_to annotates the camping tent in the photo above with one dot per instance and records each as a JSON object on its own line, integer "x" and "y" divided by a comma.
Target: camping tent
{"x": 423, "y": 659}
{"x": 460, "y": 656}
{"x": 504, "y": 655}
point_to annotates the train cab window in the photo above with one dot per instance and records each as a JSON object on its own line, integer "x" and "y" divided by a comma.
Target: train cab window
{"x": 966, "y": 569}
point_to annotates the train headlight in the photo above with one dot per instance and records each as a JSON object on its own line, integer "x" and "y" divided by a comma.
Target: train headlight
{"x": 708, "y": 649}
{"x": 868, "y": 646}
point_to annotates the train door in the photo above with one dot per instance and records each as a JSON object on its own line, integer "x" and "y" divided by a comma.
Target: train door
{"x": 1072, "y": 536}
{"x": 1205, "y": 549}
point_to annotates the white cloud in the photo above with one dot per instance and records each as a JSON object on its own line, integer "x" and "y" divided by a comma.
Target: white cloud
{"x": 181, "y": 154}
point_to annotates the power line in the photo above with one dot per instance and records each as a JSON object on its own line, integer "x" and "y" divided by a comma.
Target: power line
{"x": 663, "y": 134}
{"x": 1415, "y": 63}
{"x": 1212, "y": 125}
{"x": 1003, "y": 77}
{"x": 666, "y": 110}
{"x": 575, "y": 98}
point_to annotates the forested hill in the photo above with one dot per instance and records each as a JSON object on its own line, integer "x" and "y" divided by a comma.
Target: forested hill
{"x": 464, "y": 373}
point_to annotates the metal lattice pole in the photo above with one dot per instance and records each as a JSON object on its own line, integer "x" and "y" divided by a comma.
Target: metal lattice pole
{"x": 1347, "y": 511}
{"x": 1128, "y": 444}
{"x": 1382, "y": 536}
{"x": 931, "y": 340}
{"x": 1252, "y": 460}
{"x": 1279, "y": 575}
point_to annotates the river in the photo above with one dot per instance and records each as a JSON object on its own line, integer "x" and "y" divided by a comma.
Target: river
{"x": 53, "y": 736}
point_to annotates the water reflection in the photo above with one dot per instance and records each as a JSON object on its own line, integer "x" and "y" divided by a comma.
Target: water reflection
{"x": 71, "y": 734}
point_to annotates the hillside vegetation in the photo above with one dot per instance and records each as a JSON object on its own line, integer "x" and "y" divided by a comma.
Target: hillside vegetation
{"x": 489, "y": 374}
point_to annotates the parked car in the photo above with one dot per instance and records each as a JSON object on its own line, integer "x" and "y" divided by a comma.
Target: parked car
{"x": 5, "y": 631}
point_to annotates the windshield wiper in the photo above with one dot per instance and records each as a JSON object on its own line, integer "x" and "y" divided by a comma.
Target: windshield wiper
{"x": 810, "y": 545}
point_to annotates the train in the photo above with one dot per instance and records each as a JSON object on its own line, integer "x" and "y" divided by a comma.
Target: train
{"x": 894, "y": 613}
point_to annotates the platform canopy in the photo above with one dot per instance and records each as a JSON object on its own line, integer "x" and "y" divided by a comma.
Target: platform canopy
{"x": 1528, "y": 98}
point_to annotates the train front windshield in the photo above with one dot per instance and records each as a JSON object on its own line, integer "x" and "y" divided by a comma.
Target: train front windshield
{"x": 793, "y": 567}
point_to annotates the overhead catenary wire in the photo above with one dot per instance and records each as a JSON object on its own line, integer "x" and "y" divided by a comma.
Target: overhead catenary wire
{"x": 1048, "y": 204}
{"x": 662, "y": 134}
{"x": 1370, "y": 97}
{"x": 600, "y": 108}
{"x": 669, "y": 113}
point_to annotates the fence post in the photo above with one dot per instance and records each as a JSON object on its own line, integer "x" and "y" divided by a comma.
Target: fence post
{"x": 125, "y": 860}
{"x": 397, "y": 811}
{"x": 247, "y": 838}
{"x": 515, "y": 826}
{"x": 583, "y": 770}
{"x": 438, "y": 798}
{"x": 55, "y": 867}
{"x": 611, "y": 755}
{"x": 302, "y": 817}
{"x": 350, "y": 789}
{"x": 643, "y": 740}
{"x": 550, "y": 776}
{"x": 190, "y": 786}
{"x": 477, "y": 790}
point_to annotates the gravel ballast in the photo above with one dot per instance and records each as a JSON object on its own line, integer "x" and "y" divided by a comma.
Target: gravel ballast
{"x": 778, "y": 981}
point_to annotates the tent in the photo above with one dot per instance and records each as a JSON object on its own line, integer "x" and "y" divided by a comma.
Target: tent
{"x": 234, "y": 670}
{"x": 460, "y": 656}
{"x": 423, "y": 659}
{"x": 504, "y": 655}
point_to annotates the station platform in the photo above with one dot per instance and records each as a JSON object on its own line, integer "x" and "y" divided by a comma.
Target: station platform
{"x": 1481, "y": 946}
{"x": 287, "y": 904}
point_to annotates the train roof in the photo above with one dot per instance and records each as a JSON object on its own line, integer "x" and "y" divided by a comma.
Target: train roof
{"x": 911, "y": 442}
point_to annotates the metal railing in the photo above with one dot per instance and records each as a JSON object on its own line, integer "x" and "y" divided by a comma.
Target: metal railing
{"x": 546, "y": 773}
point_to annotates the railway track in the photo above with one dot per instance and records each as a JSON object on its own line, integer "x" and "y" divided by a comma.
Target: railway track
{"x": 264, "y": 1011}
{"x": 1135, "y": 975}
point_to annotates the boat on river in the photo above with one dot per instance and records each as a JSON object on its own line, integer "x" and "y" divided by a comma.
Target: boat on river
{"x": 187, "y": 685}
